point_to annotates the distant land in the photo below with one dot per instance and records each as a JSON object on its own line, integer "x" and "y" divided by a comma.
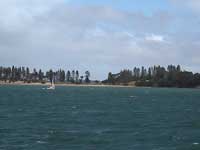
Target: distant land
{"x": 156, "y": 76}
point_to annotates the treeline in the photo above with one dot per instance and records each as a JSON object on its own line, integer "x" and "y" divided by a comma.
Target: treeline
{"x": 14, "y": 74}
{"x": 172, "y": 76}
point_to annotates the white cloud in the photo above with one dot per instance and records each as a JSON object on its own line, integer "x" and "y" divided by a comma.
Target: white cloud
{"x": 155, "y": 38}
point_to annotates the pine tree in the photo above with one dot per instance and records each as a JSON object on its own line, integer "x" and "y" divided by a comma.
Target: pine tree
{"x": 77, "y": 76}
{"x": 87, "y": 76}
{"x": 68, "y": 76}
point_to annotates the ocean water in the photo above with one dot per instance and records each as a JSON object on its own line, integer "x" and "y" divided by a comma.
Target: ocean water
{"x": 91, "y": 118}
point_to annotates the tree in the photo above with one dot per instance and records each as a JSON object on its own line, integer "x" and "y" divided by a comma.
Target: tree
{"x": 68, "y": 76}
{"x": 51, "y": 74}
{"x": 81, "y": 79}
{"x": 23, "y": 74}
{"x": 87, "y": 76}
{"x": 41, "y": 75}
{"x": 149, "y": 74}
{"x": 27, "y": 74}
{"x": 1, "y": 73}
{"x": 178, "y": 68}
{"x": 18, "y": 73}
{"x": 77, "y": 76}
{"x": 13, "y": 74}
{"x": 143, "y": 73}
{"x": 73, "y": 76}
{"x": 111, "y": 79}
{"x": 8, "y": 73}
{"x": 34, "y": 75}
{"x": 62, "y": 76}
{"x": 196, "y": 79}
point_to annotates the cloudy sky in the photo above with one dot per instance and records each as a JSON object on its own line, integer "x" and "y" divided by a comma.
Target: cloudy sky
{"x": 99, "y": 35}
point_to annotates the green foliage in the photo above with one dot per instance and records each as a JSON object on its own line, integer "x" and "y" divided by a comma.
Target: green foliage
{"x": 156, "y": 76}
{"x": 87, "y": 76}
{"x": 13, "y": 74}
{"x": 68, "y": 76}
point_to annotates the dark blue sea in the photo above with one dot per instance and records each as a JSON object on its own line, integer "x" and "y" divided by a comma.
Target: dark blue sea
{"x": 92, "y": 118}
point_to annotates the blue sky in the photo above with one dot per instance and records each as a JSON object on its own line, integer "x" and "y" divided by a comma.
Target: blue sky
{"x": 100, "y": 35}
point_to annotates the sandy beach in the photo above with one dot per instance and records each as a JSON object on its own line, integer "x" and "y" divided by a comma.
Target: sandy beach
{"x": 20, "y": 83}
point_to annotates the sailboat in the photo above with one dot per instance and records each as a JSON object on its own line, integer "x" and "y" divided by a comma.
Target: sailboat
{"x": 52, "y": 86}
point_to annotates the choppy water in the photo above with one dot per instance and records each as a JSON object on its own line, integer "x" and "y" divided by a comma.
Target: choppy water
{"x": 88, "y": 118}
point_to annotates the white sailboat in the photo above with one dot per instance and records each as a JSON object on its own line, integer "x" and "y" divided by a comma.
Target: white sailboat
{"x": 52, "y": 86}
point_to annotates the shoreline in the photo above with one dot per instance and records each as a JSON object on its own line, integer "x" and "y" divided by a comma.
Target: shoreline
{"x": 81, "y": 85}
{"x": 19, "y": 83}
{"x": 65, "y": 85}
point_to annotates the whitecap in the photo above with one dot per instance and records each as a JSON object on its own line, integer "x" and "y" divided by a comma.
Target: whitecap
{"x": 19, "y": 109}
{"x": 51, "y": 131}
{"x": 195, "y": 143}
{"x": 41, "y": 142}
{"x": 74, "y": 107}
{"x": 133, "y": 96}
{"x": 102, "y": 131}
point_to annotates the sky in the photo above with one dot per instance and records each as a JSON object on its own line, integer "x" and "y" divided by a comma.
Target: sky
{"x": 100, "y": 35}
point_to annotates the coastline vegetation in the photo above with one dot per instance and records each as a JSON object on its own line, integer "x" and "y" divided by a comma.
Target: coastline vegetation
{"x": 23, "y": 74}
{"x": 156, "y": 76}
